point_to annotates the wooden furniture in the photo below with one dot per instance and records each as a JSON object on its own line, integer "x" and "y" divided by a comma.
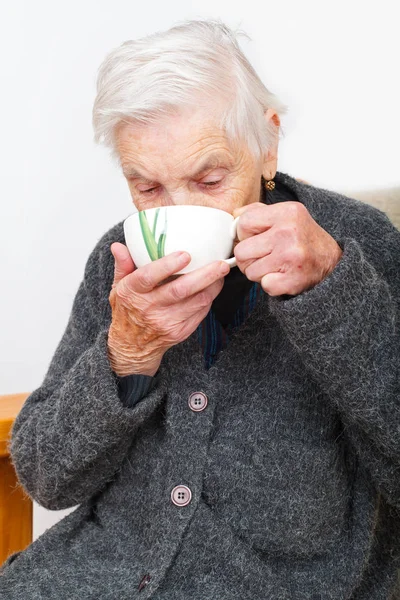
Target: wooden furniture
{"x": 15, "y": 505}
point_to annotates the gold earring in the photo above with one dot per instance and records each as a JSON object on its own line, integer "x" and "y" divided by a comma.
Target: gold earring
{"x": 269, "y": 185}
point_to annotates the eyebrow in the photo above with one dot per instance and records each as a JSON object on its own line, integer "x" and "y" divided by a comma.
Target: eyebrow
{"x": 214, "y": 161}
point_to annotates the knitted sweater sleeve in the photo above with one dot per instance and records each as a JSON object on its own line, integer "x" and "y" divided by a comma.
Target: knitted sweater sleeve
{"x": 347, "y": 332}
{"x": 73, "y": 432}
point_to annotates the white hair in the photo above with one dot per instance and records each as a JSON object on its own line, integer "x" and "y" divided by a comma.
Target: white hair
{"x": 197, "y": 62}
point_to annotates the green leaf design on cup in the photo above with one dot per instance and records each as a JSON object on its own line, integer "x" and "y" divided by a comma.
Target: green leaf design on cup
{"x": 148, "y": 236}
{"x": 155, "y": 222}
{"x": 162, "y": 238}
{"x": 155, "y": 249}
{"x": 161, "y": 245}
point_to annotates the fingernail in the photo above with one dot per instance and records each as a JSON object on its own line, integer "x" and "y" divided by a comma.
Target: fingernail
{"x": 224, "y": 269}
{"x": 183, "y": 255}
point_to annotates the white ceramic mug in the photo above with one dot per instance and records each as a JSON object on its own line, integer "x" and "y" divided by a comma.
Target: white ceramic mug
{"x": 206, "y": 233}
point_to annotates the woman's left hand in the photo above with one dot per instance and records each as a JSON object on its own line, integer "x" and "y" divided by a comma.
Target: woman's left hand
{"x": 283, "y": 248}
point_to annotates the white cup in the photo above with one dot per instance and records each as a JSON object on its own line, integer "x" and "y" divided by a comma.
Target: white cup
{"x": 206, "y": 233}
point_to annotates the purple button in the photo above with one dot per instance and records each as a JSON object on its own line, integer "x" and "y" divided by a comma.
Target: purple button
{"x": 198, "y": 401}
{"x": 181, "y": 495}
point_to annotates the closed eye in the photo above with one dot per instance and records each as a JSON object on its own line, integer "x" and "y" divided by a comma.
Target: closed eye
{"x": 149, "y": 191}
{"x": 211, "y": 183}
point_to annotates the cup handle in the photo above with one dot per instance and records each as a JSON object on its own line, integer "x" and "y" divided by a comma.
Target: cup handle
{"x": 234, "y": 228}
{"x": 232, "y": 261}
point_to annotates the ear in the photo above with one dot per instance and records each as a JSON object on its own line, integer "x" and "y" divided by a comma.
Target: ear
{"x": 270, "y": 162}
{"x": 272, "y": 116}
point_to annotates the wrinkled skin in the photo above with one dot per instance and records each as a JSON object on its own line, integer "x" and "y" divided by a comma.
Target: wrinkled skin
{"x": 187, "y": 159}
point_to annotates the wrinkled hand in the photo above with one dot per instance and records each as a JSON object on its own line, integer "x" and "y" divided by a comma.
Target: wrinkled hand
{"x": 283, "y": 248}
{"x": 149, "y": 318}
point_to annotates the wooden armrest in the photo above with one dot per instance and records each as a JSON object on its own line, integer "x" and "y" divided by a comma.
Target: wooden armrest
{"x": 15, "y": 504}
{"x": 10, "y": 406}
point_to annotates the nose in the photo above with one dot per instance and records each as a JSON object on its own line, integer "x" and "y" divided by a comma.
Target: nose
{"x": 178, "y": 197}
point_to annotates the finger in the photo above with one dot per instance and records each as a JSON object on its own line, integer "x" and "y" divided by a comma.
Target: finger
{"x": 192, "y": 322}
{"x": 146, "y": 278}
{"x": 258, "y": 217}
{"x": 197, "y": 302}
{"x": 123, "y": 263}
{"x": 253, "y": 247}
{"x": 254, "y": 218}
{"x": 272, "y": 263}
{"x": 239, "y": 211}
{"x": 191, "y": 283}
{"x": 279, "y": 284}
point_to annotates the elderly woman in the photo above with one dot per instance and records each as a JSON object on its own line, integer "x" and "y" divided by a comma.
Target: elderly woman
{"x": 225, "y": 435}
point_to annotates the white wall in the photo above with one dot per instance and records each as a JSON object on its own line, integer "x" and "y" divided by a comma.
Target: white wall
{"x": 335, "y": 64}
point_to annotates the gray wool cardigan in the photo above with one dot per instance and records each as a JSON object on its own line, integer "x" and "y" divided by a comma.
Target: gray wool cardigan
{"x": 293, "y": 466}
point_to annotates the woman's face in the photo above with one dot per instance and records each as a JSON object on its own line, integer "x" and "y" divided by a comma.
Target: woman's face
{"x": 186, "y": 159}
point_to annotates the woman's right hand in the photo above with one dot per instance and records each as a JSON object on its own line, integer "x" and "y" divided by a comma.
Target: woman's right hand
{"x": 149, "y": 318}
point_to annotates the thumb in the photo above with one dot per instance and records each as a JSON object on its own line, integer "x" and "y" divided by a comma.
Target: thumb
{"x": 123, "y": 263}
{"x": 239, "y": 211}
